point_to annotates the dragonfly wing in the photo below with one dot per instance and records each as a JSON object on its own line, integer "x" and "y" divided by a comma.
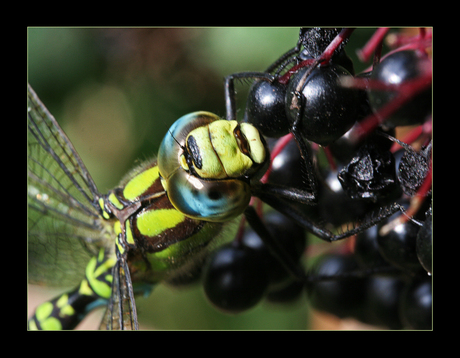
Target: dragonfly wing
{"x": 64, "y": 226}
{"x": 121, "y": 313}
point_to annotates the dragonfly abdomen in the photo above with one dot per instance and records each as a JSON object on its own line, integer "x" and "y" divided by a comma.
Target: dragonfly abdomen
{"x": 67, "y": 310}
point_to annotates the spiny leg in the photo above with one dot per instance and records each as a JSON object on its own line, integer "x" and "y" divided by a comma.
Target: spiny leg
{"x": 229, "y": 88}
{"x": 285, "y": 207}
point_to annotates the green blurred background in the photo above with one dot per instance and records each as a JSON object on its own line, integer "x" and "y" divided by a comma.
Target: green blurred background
{"x": 116, "y": 91}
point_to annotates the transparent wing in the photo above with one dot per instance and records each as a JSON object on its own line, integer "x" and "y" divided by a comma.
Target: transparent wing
{"x": 64, "y": 226}
{"x": 121, "y": 313}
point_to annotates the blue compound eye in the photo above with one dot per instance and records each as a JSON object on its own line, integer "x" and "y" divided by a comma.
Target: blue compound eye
{"x": 210, "y": 200}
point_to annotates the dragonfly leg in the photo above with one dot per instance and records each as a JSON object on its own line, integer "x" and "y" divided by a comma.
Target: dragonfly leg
{"x": 285, "y": 207}
{"x": 230, "y": 102}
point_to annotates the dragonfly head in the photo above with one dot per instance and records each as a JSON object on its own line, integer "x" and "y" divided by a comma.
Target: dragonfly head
{"x": 207, "y": 165}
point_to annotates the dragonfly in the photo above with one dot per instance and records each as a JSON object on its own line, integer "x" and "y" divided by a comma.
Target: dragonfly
{"x": 134, "y": 236}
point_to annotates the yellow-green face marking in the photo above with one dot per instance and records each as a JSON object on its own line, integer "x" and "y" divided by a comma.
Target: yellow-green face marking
{"x": 224, "y": 149}
{"x": 256, "y": 147}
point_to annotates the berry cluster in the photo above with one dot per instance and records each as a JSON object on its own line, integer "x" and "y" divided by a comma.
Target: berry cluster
{"x": 368, "y": 139}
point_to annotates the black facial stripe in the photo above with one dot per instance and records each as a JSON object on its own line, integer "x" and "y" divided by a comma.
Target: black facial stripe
{"x": 241, "y": 141}
{"x": 194, "y": 151}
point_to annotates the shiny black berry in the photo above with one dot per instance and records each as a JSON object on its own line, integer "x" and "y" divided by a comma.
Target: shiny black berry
{"x": 286, "y": 167}
{"x": 343, "y": 297}
{"x": 416, "y": 303}
{"x": 335, "y": 205}
{"x": 398, "y": 245}
{"x": 235, "y": 278}
{"x": 289, "y": 234}
{"x": 330, "y": 110}
{"x": 382, "y": 301}
{"x": 396, "y": 69}
{"x": 265, "y": 108}
{"x": 366, "y": 249}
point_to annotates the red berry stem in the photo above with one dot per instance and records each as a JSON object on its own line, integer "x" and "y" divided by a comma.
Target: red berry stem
{"x": 406, "y": 91}
{"x": 279, "y": 146}
{"x": 374, "y": 42}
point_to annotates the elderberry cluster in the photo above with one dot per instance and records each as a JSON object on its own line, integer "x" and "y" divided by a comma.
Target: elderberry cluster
{"x": 369, "y": 138}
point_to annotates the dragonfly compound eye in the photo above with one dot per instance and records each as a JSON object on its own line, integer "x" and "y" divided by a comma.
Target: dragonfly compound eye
{"x": 209, "y": 200}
